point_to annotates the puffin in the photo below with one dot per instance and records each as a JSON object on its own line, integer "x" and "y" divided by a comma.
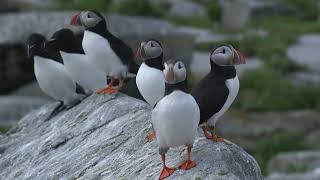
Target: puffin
{"x": 176, "y": 116}
{"x": 52, "y": 76}
{"x": 80, "y": 68}
{"x": 217, "y": 90}
{"x": 109, "y": 53}
{"x": 150, "y": 79}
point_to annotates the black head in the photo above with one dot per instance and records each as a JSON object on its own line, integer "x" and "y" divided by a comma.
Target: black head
{"x": 62, "y": 40}
{"x": 150, "y": 52}
{"x": 36, "y": 45}
{"x": 90, "y": 20}
{"x": 226, "y": 55}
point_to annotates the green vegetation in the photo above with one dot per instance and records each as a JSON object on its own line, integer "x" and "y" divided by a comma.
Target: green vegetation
{"x": 265, "y": 90}
{"x": 268, "y": 147}
{"x": 202, "y": 22}
{"x": 305, "y": 9}
{"x": 138, "y": 8}
{"x": 4, "y": 129}
{"x": 214, "y": 10}
{"x": 99, "y": 5}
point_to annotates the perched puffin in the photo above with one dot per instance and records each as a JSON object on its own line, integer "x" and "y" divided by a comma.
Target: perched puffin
{"x": 52, "y": 76}
{"x": 150, "y": 79}
{"x": 80, "y": 68}
{"x": 107, "y": 52}
{"x": 217, "y": 90}
{"x": 176, "y": 116}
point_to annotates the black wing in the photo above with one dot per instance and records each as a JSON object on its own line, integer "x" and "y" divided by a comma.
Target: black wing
{"x": 210, "y": 95}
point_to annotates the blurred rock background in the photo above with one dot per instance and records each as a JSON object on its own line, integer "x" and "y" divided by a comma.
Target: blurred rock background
{"x": 276, "y": 115}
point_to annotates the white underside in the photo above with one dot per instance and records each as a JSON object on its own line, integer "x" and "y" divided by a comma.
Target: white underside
{"x": 99, "y": 52}
{"x": 54, "y": 80}
{"x": 233, "y": 86}
{"x": 175, "y": 120}
{"x": 151, "y": 83}
{"x": 84, "y": 72}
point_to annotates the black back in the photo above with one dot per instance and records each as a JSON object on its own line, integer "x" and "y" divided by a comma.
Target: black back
{"x": 211, "y": 92}
{"x": 123, "y": 51}
{"x": 67, "y": 41}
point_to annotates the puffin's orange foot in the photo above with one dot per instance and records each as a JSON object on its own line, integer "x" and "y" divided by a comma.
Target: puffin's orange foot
{"x": 166, "y": 172}
{"x": 108, "y": 90}
{"x": 188, "y": 164}
{"x": 219, "y": 139}
{"x": 151, "y": 136}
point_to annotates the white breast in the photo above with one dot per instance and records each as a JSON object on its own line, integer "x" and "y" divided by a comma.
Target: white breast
{"x": 83, "y": 71}
{"x": 233, "y": 86}
{"x": 151, "y": 83}
{"x": 54, "y": 79}
{"x": 175, "y": 119}
{"x": 100, "y": 53}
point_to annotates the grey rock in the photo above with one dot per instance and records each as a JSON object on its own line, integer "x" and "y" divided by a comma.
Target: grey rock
{"x": 184, "y": 8}
{"x": 305, "y": 78}
{"x": 104, "y": 137}
{"x": 313, "y": 175}
{"x": 33, "y": 4}
{"x": 13, "y": 108}
{"x": 235, "y": 13}
{"x": 32, "y": 90}
{"x": 312, "y": 140}
{"x": 246, "y": 128}
{"x": 306, "y": 52}
{"x": 301, "y": 161}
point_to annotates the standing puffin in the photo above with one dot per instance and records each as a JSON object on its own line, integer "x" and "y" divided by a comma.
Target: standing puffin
{"x": 76, "y": 62}
{"x": 52, "y": 76}
{"x": 216, "y": 91}
{"x": 107, "y": 52}
{"x": 150, "y": 79}
{"x": 176, "y": 116}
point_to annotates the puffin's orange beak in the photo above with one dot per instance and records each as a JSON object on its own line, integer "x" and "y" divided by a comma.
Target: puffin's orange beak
{"x": 170, "y": 74}
{"x": 242, "y": 58}
{"x": 75, "y": 20}
{"x": 138, "y": 56}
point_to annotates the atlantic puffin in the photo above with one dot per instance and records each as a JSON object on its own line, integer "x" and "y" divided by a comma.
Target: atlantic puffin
{"x": 150, "y": 79}
{"x": 176, "y": 116}
{"x": 52, "y": 77}
{"x": 217, "y": 90}
{"x": 80, "y": 68}
{"x": 108, "y": 53}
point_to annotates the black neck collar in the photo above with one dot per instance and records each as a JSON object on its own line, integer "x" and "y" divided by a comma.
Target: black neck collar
{"x": 155, "y": 62}
{"x": 226, "y": 72}
{"x": 182, "y": 86}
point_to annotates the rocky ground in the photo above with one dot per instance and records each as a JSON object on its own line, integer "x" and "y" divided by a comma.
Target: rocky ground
{"x": 105, "y": 137}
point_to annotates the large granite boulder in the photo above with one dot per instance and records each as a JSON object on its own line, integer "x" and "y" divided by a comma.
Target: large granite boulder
{"x": 18, "y": 26}
{"x": 104, "y": 137}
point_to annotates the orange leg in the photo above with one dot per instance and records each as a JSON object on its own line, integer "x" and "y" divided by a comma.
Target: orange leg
{"x": 109, "y": 89}
{"x": 151, "y": 136}
{"x": 214, "y": 136}
{"x": 188, "y": 164}
{"x": 166, "y": 171}
{"x": 206, "y": 133}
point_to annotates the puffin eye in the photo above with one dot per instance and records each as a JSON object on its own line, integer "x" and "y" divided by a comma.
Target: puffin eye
{"x": 179, "y": 66}
{"x": 89, "y": 16}
{"x": 152, "y": 44}
{"x": 223, "y": 50}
